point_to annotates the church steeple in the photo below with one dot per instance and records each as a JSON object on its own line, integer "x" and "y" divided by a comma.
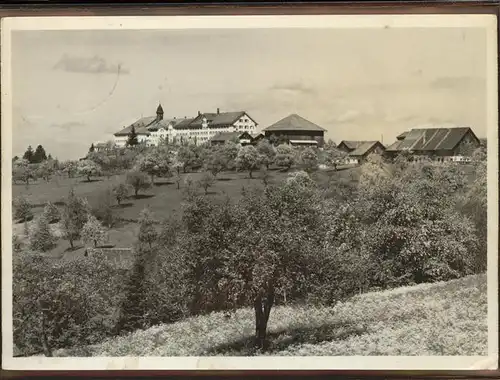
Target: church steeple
{"x": 159, "y": 112}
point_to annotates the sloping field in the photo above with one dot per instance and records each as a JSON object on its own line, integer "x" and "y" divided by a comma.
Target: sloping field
{"x": 448, "y": 318}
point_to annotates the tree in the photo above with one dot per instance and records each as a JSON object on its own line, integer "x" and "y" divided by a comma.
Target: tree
{"x": 333, "y": 156}
{"x": 132, "y": 138}
{"x": 155, "y": 163}
{"x": 120, "y": 191}
{"x": 23, "y": 171}
{"x": 22, "y": 209}
{"x": 248, "y": 159}
{"x": 103, "y": 210}
{"x": 147, "y": 230}
{"x": 74, "y": 216}
{"x": 28, "y": 155}
{"x": 138, "y": 180}
{"x": 267, "y": 152}
{"x": 46, "y": 169}
{"x": 187, "y": 156}
{"x": 93, "y": 231}
{"x": 330, "y": 144}
{"x": 51, "y": 213}
{"x": 206, "y": 181}
{"x": 39, "y": 155}
{"x": 309, "y": 159}
{"x": 285, "y": 156}
{"x": 92, "y": 148}
{"x": 70, "y": 167}
{"x": 41, "y": 237}
{"x": 88, "y": 168}
{"x": 177, "y": 180}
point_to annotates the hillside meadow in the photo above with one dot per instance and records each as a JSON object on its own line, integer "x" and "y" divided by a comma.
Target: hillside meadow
{"x": 444, "y": 318}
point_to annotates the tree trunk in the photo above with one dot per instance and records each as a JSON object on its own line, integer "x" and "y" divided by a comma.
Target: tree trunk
{"x": 119, "y": 201}
{"x": 136, "y": 191}
{"x": 178, "y": 185}
{"x": 88, "y": 178}
{"x": 250, "y": 173}
{"x": 95, "y": 243}
{"x": 262, "y": 307}
{"x": 47, "y": 350}
{"x": 71, "y": 243}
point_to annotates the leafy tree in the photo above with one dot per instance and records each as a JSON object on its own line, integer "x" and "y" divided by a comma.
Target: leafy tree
{"x": 28, "y": 155}
{"x": 74, "y": 216}
{"x": 15, "y": 158}
{"x": 266, "y": 176}
{"x": 22, "y": 209}
{"x": 333, "y": 156}
{"x": 23, "y": 171}
{"x": 206, "y": 181}
{"x": 147, "y": 231}
{"x": 132, "y": 138}
{"x": 46, "y": 169}
{"x": 103, "y": 210}
{"x": 177, "y": 180}
{"x": 187, "y": 156}
{"x": 330, "y": 144}
{"x": 41, "y": 237}
{"x": 92, "y": 148}
{"x": 229, "y": 153}
{"x": 138, "y": 180}
{"x": 93, "y": 231}
{"x": 248, "y": 159}
{"x": 39, "y": 155}
{"x": 70, "y": 167}
{"x": 309, "y": 159}
{"x": 156, "y": 163}
{"x": 285, "y": 156}
{"x": 51, "y": 213}
{"x": 88, "y": 168}
{"x": 267, "y": 152}
{"x": 120, "y": 191}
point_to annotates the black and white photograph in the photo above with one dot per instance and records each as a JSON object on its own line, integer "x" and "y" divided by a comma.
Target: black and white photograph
{"x": 250, "y": 192}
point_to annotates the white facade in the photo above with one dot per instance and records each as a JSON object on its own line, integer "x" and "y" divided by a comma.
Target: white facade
{"x": 195, "y": 134}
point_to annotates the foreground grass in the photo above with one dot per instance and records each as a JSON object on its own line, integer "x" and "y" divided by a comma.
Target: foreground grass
{"x": 448, "y": 318}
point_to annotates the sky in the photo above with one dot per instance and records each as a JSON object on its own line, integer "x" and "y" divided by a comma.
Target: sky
{"x": 73, "y": 88}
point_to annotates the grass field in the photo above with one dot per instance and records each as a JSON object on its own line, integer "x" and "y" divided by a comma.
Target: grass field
{"x": 448, "y": 318}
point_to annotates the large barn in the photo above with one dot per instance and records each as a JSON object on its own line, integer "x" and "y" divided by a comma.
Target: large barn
{"x": 297, "y": 131}
{"x": 442, "y": 144}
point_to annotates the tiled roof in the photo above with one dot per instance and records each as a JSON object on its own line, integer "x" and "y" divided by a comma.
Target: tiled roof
{"x": 216, "y": 119}
{"x": 140, "y": 126}
{"x": 431, "y": 139}
{"x": 227, "y": 136}
{"x": 395, "y": 146}
{"x": 294, "y": 122}
{"x": 364, "y": 148}
{"x": 183, "y": 123}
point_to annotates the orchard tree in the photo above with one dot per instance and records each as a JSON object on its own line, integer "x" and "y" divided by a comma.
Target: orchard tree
{"x": 88, "y": 168}
{"x": 267, "y": 152}
{"x": 23, "y": 171}
{"x": 46, "y": 169}
{"x": 285, "y": 156}
{"x": 248, "y": 159}
{"x": 229, "y": 152}
{"x": 132, "y": 140}
{"x": 70, "y": 167}
{"x": 75, "y": 214}
{"x": 177, "y": 179}
{"x": 156, "y": 163}
{"x": 138, "y": 180}
{"x": 333, "y": 156}
{"x": 147, "y": 231}
{"x": 206, "y": 181}
{"x": 309, "y": 159}
{"x": 41, "y": 238}
{"x": 120, "y": 192}
{"x": 93, "y": 232}
{"x": 187, "y": 156}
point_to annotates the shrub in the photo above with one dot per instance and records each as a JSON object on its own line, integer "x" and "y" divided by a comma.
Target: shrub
{"x": 103, "y": 210}
{"x": 22, "y": 209}
{"x": 51, "y": 213}
{"x": 41, "y": 237}
{"x": 139, "y": 181}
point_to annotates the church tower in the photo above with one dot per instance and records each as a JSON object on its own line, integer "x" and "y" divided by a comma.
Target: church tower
{"x": 159, "y": 112}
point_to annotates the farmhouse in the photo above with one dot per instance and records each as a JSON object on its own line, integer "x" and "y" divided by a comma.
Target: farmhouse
{"x": 363, "y": 150}
{"x": 200, "y": 129}
{"x": 243, "y": 138}
{"x": 440, "y": 144}
{"x": 297, "y": 131}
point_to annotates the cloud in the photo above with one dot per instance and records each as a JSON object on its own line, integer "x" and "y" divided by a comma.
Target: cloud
{"x": 455, "y": 82}
{"x": 68, "y": 125}
{"x": 297, "y": 87}
{"x": 92, "y": 65}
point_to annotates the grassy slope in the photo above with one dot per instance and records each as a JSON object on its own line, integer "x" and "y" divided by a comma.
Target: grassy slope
{"x": 446, "y": 318}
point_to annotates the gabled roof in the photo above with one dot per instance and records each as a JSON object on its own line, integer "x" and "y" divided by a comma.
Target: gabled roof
{"x": 294, "y": 122}
{"x": 364, "y": 148}
{"x": 140, "y": 126}
{"x": 394, "y": 147}
{"x": 432, "y": 139}
{"x": 217, "y": 119}
{"x": 351, "y": 144}
{"x": 227, "y": 136}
